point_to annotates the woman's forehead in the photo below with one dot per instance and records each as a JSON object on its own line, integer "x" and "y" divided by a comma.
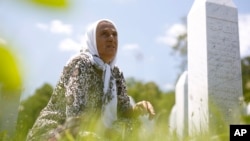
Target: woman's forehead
{"x": 104, "y": 24}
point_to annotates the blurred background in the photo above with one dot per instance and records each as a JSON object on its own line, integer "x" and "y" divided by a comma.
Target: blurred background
{"x": 37, "y": 37}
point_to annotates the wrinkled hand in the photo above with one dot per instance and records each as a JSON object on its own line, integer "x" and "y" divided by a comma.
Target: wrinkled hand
{"x": 143, "y": 108}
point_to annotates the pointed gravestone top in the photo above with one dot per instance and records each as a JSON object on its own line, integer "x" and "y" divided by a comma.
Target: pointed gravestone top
{"x": 228, "y": 3}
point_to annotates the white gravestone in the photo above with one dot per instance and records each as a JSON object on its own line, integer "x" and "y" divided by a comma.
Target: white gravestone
{"x": 172, "y": 121}
{"x": 214, "y": 67}
{"x": 181, "y": 103}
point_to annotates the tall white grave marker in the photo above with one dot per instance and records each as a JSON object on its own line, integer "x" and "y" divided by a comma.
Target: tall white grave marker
{"x": 214, "y": 67}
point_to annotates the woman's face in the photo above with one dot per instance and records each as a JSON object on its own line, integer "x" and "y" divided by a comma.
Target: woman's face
{"x": 106, "y": 41}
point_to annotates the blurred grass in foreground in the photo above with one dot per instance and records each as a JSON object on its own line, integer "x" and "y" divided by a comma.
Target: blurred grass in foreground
{"x": 10, "y": 90}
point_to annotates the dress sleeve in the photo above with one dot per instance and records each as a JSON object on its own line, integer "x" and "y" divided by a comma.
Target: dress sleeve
{"x": 59, "y": 105}
{"x": 76, "y": 90}
{"x": 50, "y": 117}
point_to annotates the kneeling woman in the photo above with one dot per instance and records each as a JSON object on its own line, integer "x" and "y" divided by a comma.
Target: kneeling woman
{"x": 90, "y": 99}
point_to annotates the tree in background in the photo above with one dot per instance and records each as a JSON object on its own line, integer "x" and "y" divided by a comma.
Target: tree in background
{"x": 162, "y": 102}
{"x": 29, "y": 110}
{"x": 245, "y": 64}
{"x": 180, "y": 47}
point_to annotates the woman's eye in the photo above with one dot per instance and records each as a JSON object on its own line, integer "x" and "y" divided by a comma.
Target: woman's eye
{"x": 115, "y": 34}
{"x": 105, "y": 33}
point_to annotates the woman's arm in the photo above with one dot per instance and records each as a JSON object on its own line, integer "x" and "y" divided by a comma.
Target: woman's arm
{"x": 125, "y": 108}
{"x": 54, "y": 114}
{"x": 76, "y": 90}
{"x": 50, "y": 117}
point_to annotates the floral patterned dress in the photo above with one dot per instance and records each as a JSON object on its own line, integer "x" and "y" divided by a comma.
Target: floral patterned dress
{"x": 78, "y": 93}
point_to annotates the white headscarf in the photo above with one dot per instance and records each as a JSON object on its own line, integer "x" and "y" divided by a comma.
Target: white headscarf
{"x": 109, "y": 108}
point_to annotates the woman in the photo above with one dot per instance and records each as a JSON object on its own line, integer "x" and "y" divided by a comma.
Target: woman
{"x": 91, "y": 87}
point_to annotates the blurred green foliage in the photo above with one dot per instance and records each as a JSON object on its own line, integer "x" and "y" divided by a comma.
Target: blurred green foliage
{"x": 29, "y": 110}
{"x": 10, "y": 90}
{"x": 245, "y": 64}
{"x": 52, "y": 3}
{"x": 162, "y": 101}
{"x": 10, "y": 77}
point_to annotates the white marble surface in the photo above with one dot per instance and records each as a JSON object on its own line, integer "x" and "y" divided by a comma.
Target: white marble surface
{"x": 181, "y": 103}
{"x": 214, "y": 69}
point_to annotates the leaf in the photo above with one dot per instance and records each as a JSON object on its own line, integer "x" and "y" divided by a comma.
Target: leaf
{"x": 52, "y": 3}
{"x": 10, "y": 77}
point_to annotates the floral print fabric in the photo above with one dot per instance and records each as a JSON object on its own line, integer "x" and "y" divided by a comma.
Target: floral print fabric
{"x": 78, "y": 92}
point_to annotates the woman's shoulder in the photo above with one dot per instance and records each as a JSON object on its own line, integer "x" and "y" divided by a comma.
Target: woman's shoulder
{"x": 77, "y": 63}
{"x": 79, "y": 59}
{"x": 117, "y": 72}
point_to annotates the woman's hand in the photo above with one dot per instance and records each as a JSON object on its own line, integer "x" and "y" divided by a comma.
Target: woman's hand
{"x": 143, "y": 108}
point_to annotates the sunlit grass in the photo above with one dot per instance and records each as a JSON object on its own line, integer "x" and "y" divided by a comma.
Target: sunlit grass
{"x": 10, "y": 90}
{"x": 88, "y": 128}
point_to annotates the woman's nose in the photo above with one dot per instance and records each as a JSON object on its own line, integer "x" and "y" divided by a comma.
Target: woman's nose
{"x": 111, "y": 37}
